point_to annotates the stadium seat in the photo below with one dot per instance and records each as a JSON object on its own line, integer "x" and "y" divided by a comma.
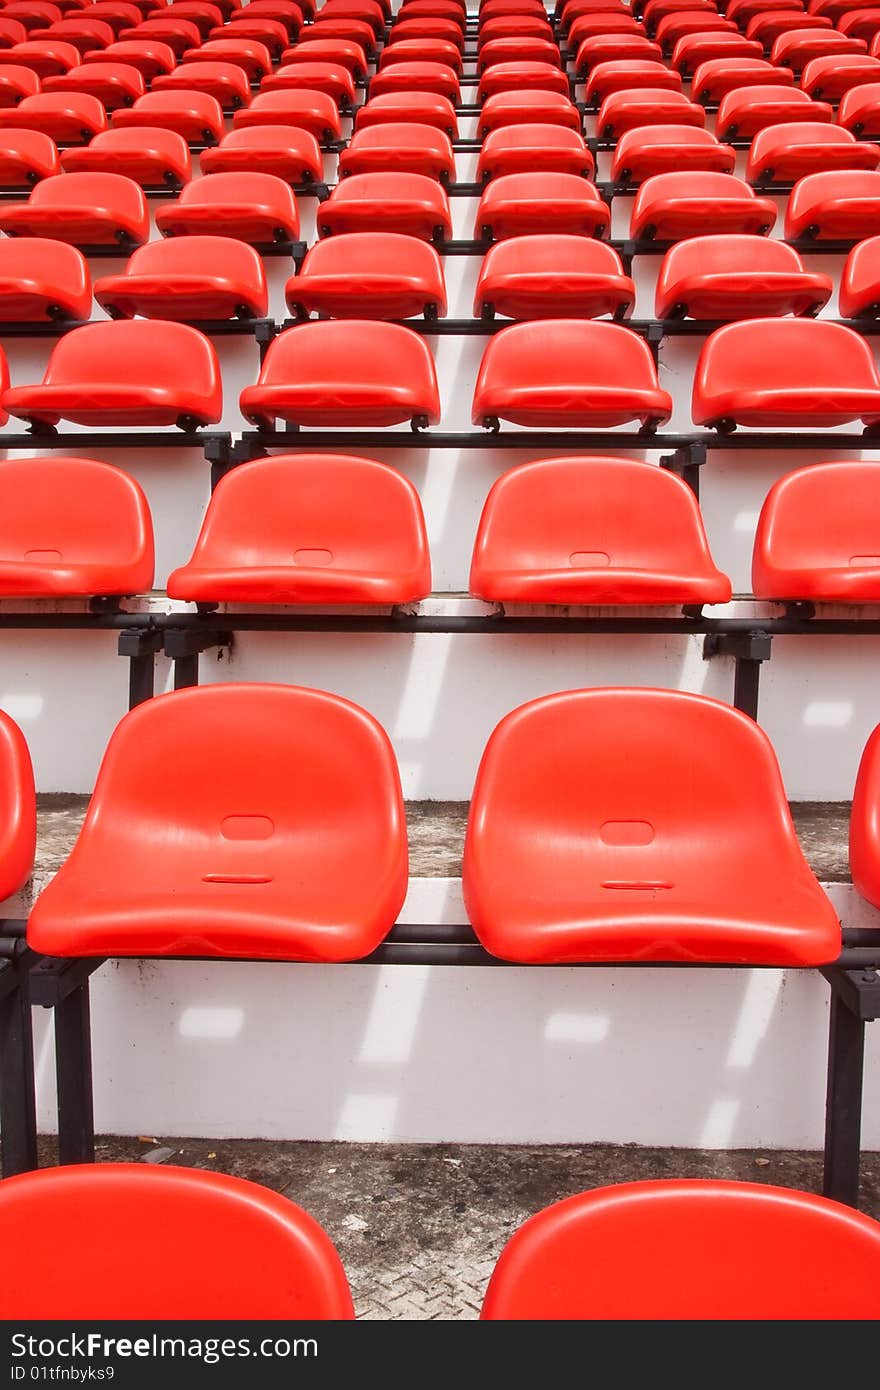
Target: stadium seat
{"x": 787, "y": 152}
{"x": 224, "y": 81}
{"x": 321, "y": 374}
{"x": 252, "y": 57}
{"x": 827, "y": 78}
{"x": 114, "y": 84}
{"x": 18, "y": 828}
{"x": 408, "y": 203}
{"x": 204, "y": 16}
{"x": 429, "y": 28}
{"x": 714, "y": 79}
{"x": 374, "y": 15}
{"x": 509, "y": 26}
{"x": 153, "y": 158}
{"x": 742, "y": 113}
{"x": 766, "y": 27}
{"x": 520, "y": 204}
{"x": 669, "y": 207}
{"x": 288, "y": 153}
{"x": 212, "y": 277}
{"x": 257, "y": 208}
{"x": 281, "y": 11}
{"x": 785, "y": 372}
{"x": 860, "y": 24}
{"x": 44, "y": 58}
{"x": 839, "y": 206}
{"x": 423, "y": 108}
{"x": 528, "y": 148}
{"x": 655, "y": 11}
{"x": 593, "y": 531}
{"x": 196, "y": 116}
{"x": 859, "y": 110}
{"x": 71, "y": 527}
{"x": 268, "y": 32}
{"x": 647, "y": 106}
{"x": 795, "y": 48}
{"x": 42, "y": 281}
{"x": 315, "y": 112}
{"x": 68, "y": 118}
{"x": 83, "y": 33}
{"x": 369, "y": 275}
{"x": 552, "y": 276}
{"x": 742, "y": 11}
{"x": 11, "y": 33}
{"x": 518, "y": 108}
{"x": 399, "y": 147}
{"x": 638, "y": 825}
{"x": 688, "y": 1250}
{"x": 177, "y": 34}
{"x": 33, "y": 14}
{"x": 344, "y": 52}
{"x": 859, "y": 289}
{"x": 149, "y": 57}
{"x": 332, "y": 79}
{"x": 615, "y": 48}
{"x": 864, "y": 824}
{"x": 523, "y": 49}
{"x": 630, "y": 76}
{"x": 117, "y": 13}
{"x": 181, "y": 1242}
{"x": 416, "y": 77}
{"x": 681, "y": 23}
{"x": 290, "y": 846}
{"x": 17, "y": 82}
{"x": 138, "y": 373}
{"x": 26, "y": 156}
{"x": 309, "y": 529}
{"x": 816, "y": 538}
{"x": 569, "y": 373}
{"x": 82, "y": 209}
{"x": 588, "y": 26}
{"x": 693, "y": 49}
{"x": 433, "y": 50}
{"x": 737, "y": 277}
{"x": 662, "y": 149}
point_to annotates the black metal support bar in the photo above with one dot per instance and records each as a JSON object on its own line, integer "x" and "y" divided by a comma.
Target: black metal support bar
{"x": 73, "y": 1062}
{"x": 253, "y": 443}
{"x": 18, "y": 1118}
{"x": 855, "y": 999}
{"x": 749, "y": 650}
{"x": 140, "y": 645}
{"x": 184, "y": 646}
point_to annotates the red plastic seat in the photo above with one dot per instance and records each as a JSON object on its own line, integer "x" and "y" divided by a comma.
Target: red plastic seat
{"x": 859, "y": 110}
{"x": 84, "y": 33}
{"x": 520, "y": 204}
{"x": 252, "y": 57}
{"x": 177, "y": 34}
{"x": 204, "y": 16}
{"x": 408, "y": 203}
{"x": 529, "y": 148}
{"x": 693, "y": 49}
{"x": 833, "y": 9}
{"x": 680, "y": 23}
{"x": 742, "y": 11}
{"x": 859, "y": 290}
{"x": 424, "y": 108}
{"x": 714, "y": 79}
{"x": 281, "y": 11}
{"x": 399, "y": 147}
{"x": 816, "y": 538}
{"x": 191, "y": 277}
{"x": 662, "y": 149}
{"x": 864, "y": 824}
{"x": 786, "y": 373}
{"x": 323, "y": 373}
{"x": 646, "y": 106}
{"x": 615, "y": 48}
{"x": 150, "y": 58}
{"x": 668, "y": 207}
{"x": 509, "y": 26}
{"x": 768, "y": 26}
{"x": 340, "y": 52}
{"x": 741, "y": 114}
{"x": 314, "y": 111}
{"x": 18, "y": 830}
{"x": 117, "y": 13}
{"x": 154, "y": 158}
{"x": 630, "y": 76}
{"x": 553, "y": 276}
{"x": 291, "y": 846}
{"x": 224, "y": 81}
{"x": 593, "y": 531}
{"x": 433, "y": 50}
{"x": 691, "y": 1249}
{"x": 42, "y": 280}
{"x": 196, "y": 116}
{"x": 737, "y": 277}
{"x": 374, "y": 15}
{"x": 268, "y": 32}
{"x": 860, "y": 24}
{"x": 416, "y": 77}
{"x": 638, "y": 825}
{"x": 138, "y": 373}
{"x": 570, "y": 373}
{"x": 829, "y": 77}
{"x": 427, "y": 27}
{"x": 369, "y": 275}
{"x": 795, "y": 48}
{"x": 524, "y": 49}
{"x": 33, "y": 14}
{"x": 45, "y": 58}
{"x": 17, "y": 82}
{"x": 70, "y": 527}
{"x": 26, "y": 156}
{"x": 655, "y": 11}
{"x": 785, "y": 153}
{"x": 11, "y": 32}
{"x": 68, "y": 118}
{"x": 309, "y": 528}
{"x": 290, "y": 154}
{"x": 82, "y": 209}
{"x": 257, "y": 208}
{"x": 518, "y": 108}
{"x": 840, "y": 206}
{"x": 114, "y": 84}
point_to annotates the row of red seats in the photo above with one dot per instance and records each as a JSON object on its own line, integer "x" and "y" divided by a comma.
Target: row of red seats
{"x": 566, "y": 373}
{"x": 186, "y": 1243}
{"x": 331, "y": 528}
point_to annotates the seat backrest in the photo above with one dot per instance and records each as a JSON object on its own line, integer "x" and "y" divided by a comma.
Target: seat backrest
{"x": 130, "y": 353}
{"x": 243, "y": 190}
{"x": 164, "y": 1242}
{"x": 735, "y": 254}
{"x": 18, "y": 819}
{"x": 794, "y": 353}
{"x": 354, "y": 253}
{"x": 559, "y": 350}
{"x": 557, "y": 252}
{"x": 199, "y": 256}
{"x": 114, "y": 192}
{"x": 823, "y": 515}
{"x": 691, "y": 1249}
{"x": 363, "y": 352}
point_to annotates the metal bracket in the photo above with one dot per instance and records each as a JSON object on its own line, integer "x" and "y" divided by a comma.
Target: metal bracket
{"x": 184, "y": 646}
{"x": 686, "y": 463}
{"x": 749, "y": 650}
{"x": 140, "y": 645}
